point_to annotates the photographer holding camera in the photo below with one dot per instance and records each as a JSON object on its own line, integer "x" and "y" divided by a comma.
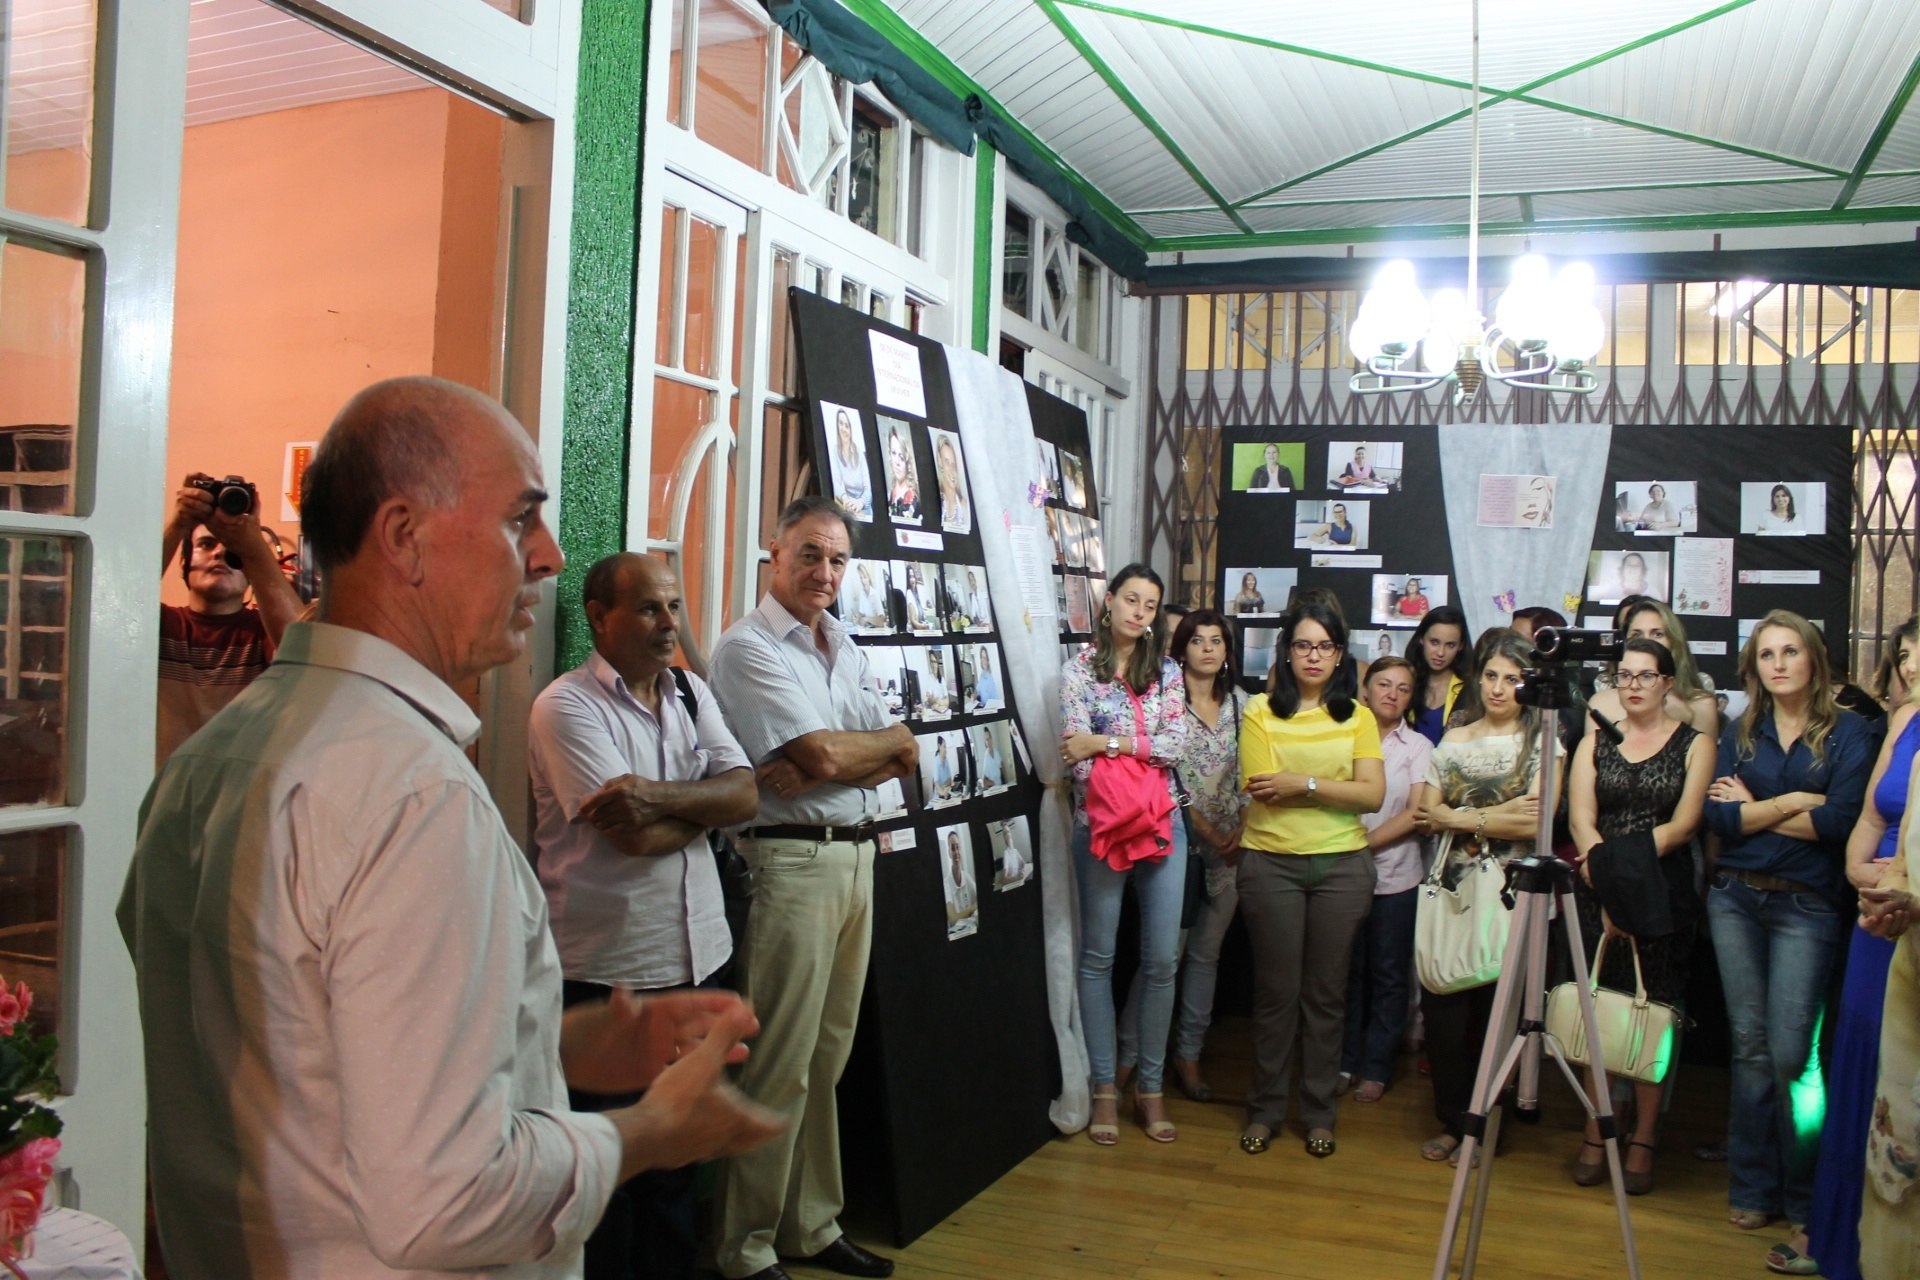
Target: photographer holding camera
{"x": 213, "y": 646}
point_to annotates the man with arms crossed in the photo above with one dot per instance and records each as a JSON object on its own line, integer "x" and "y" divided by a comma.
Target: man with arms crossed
{"x": 356, "y": 1060}
{"x": 798, "y": 693}
{"x": 626, "y": 785}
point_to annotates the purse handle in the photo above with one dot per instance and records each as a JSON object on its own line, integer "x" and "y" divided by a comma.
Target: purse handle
{"x": 1640, "y": 1000}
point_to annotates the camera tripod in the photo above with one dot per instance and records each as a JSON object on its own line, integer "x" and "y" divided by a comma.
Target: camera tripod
{"x": 1516, "y": 1027}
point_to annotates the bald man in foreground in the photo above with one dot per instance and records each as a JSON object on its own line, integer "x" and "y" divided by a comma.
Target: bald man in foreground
{"x": 356, "y": 1059}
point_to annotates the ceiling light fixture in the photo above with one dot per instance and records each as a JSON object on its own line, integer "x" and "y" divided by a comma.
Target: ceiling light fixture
{"x": 1546, "y": 327}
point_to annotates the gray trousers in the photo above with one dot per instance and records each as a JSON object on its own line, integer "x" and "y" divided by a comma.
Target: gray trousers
{"x": 1302, "y": 911}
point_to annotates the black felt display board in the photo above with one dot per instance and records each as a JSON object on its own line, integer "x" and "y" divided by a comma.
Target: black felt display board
{"x": 953, "y": 1064}
{"x": 1408, "y": 525}
{"x": 1062, "y": 428}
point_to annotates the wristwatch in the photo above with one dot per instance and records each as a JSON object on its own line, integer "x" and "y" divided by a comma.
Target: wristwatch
{"x": 1313, "y": 785}
{"x": 1113, "y": 747}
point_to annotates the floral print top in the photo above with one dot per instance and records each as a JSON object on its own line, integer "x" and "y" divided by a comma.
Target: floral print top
{"x": 1473, "y": 774}
{"x": 1210, "y": 768}
{"x": 1090, "y": 705}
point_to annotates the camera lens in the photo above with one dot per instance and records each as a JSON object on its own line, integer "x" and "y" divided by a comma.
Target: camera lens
{"x": 234, "y": 500}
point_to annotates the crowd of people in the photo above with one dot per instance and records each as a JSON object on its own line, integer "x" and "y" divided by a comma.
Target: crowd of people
{"x": 1776, "y": 830}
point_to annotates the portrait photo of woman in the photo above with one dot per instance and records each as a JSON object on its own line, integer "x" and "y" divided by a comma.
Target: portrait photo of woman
{"x": 1783, "y": 509}
{"x": 903, "y": 476}
{"x": 847, "y": 458}
{"x": 956, "y": 505}
{"x": 1270, "y": 476}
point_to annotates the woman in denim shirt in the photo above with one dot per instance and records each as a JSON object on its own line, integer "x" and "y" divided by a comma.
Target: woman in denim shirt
{"x": 1789, "y": 783}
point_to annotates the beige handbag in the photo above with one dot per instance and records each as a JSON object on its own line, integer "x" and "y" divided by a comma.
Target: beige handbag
{"x": 1460, "y": 934}
{"x": 1636, "y": 1034}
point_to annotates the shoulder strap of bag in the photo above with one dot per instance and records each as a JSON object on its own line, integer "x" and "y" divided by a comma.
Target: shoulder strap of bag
{"x": 1442, "y": 850}
{"x": 685, "y": 686}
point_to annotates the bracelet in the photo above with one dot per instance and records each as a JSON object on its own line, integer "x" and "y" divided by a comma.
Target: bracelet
{"x": 1480, "y": 828}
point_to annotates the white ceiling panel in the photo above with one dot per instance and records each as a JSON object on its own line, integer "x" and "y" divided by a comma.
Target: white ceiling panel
{"x": 1902, "y": 190}
{"x": 1346, "y": 215}
{"x": 1902, "y": 147}
{"x": 1204, "y": 90}
{"x": 1687, "y": 201}
{"x": 1809, "y": 81}
{"x": 1193, "y": 222}
{"x": 1524, "y": 147}
{"x": 49, "y": 76}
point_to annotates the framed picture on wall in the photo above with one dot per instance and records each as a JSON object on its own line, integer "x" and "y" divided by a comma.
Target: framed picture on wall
{"x": 1401, "y": 600}
{"x": 1333, "y": 524}
{"x": 905, "y": 500}
{"x": 1612, "y": 576}
{"x": 1783, "y": 508}
{"x": 1266, "y": 467}
{"x": 1656, "y": 507}
{"x": 865, "y": 595}
{"x": 1250, "y": 591}
{"x": 1364, "y": 466}
{"x": 955, "y": 845}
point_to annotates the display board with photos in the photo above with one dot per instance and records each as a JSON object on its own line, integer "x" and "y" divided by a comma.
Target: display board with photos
{"x": 1696, "y": 516}
{"x": 956, "y": 983}
{"x": 1072, "y": 509}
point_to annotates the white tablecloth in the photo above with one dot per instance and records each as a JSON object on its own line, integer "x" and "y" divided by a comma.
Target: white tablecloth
{"x": 70, "y": 1245}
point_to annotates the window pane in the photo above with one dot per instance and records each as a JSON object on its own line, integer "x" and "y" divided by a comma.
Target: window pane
{"x": 1016, "y": 268}
{"x": 850, "y": 292}
{"x": 1055, "y": 312}
{"x": 1086, "y": 318}
{"x": 36, "y": 592}
{"x": 781, "y": 373}
{"x": 42, "y": 317}
{"x": 731, "y": 75}
{"x": 46, "y": 74}
{"x": 703, "y": 267}
{"x": 672, "y": 227}
{"x": 32, "y": 873}
{"x": 679, "y": 411}
{"x": 676, "y": 106}
{"x": 875, "y": 170}
{"x": 917, "y": 193}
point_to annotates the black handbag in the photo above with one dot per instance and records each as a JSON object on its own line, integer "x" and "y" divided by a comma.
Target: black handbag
{"x": 1196, "y": 890}
{"x": 736, "y": 877}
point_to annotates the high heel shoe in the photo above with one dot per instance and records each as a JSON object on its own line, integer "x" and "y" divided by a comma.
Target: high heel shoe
{"x": 1101, "y": 1134}
{"x": 1186, "y": 1074}
{"x": 1641, "y": 1182}
{"x": 1158, "y": 1130}
{"x": 1590, "y": 1175}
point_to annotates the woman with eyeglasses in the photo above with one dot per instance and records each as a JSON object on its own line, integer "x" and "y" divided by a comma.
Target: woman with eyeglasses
{"x": 1688, "y": 698}
{"x": 1653, "y": 781}
{"x": 1310, "y": 761}
{"x": 1482, "y": 795}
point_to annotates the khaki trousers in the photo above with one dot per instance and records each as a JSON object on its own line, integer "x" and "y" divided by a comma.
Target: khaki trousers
{"x": 803, "y": 964}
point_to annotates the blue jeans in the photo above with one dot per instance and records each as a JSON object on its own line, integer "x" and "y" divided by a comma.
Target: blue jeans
{"x": 1377, "y": 985}
{"x": 1776, "y": 952}
{"x": 1160, "y": 886}
{"x": 1201, "y": 961}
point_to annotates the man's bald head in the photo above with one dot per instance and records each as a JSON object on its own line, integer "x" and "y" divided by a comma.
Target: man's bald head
{"x": 400, "y": 438}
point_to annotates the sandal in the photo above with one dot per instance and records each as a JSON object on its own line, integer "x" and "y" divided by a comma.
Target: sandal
{"x": 1186, "y": 1074}
{"x": 1749, "y": 1219}
{"x": 1104, "y": 1135}
{"x": 1320, "y": 1143}
{"x": 1440, "y": 1148}
{"x": 1159, "y": 1130}
{"x": 1789, "y": 1261}
{"x": 1254, "y": 1138}
{"x": 1590, "y": 1174}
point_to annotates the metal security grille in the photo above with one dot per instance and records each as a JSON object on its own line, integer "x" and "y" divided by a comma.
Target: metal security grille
{"x": 1749, "y": 353}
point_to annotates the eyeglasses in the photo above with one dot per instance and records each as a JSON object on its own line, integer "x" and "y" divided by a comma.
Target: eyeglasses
{"x": 1314, "y": 648}
{"x": 1638, "y": 679}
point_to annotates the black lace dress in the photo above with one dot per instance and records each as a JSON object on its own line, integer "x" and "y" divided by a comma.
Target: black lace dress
{"x": 1630, "y": 798}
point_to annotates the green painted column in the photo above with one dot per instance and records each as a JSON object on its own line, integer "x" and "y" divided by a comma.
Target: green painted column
{"x": 984, "y": 198}
{"x": 602, "y": 277}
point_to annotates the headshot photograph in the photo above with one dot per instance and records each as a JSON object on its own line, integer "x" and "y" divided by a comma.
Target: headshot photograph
{"x": 955, "y": 846}
{"x": 1335, "y": 524}
{"x": 904, "y": 499}
{"x": 967, "y": 606}
{"x": 1073, "y": 475}
{"x": 1011, "y": 842}
{"x": 1401, "y": 600}
{"x": 943, "y": 768}
{"x": 1270, "y": 467}
{"x": 919, "y": 590}
{"x": 1366, "y": 646}
{"x": 865, "y": 595}
{"x": 1250, "y": 592}
{"x": 980, "y": 678}
{"x": 847, "y": 460}
{"x": 950, "y": 478}
{"x": 1612, "y": 576}
{"x": 1049, "y": 468}
{"x": 992, "y": 758}
{"x": 1784, "y": 508}
{"x": 1361, "y": 466}
{"x": 1656, "y": 507}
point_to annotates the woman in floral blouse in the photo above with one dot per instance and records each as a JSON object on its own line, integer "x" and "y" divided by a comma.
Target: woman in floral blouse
{"x": 1123, "y": 706}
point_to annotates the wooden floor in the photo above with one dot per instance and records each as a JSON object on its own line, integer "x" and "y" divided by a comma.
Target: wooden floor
{"x": 1201, "y": 1207}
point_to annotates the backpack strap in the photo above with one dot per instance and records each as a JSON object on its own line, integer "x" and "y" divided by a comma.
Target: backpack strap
{"x": 685, "y": 686}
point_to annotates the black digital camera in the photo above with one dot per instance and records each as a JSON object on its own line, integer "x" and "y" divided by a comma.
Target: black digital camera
{"x": 1567, "y": 644}
{"x": 233, "y": 495}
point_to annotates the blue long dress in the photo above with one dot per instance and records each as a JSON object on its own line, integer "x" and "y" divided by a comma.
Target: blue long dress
{"x": 1833, "y": 1232}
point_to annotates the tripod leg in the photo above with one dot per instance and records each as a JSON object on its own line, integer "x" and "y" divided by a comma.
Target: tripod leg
{"x": 1600, "y": 1105}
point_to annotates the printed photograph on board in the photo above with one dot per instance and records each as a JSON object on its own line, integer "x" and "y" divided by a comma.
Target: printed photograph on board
{"x": 980, "y": 687}
{"x": 847, "y": 460}
{"x": 1256, "y": 651}
{"x": 1364, "y": 466}
{"x": 887, "y": 667}
{"x": 1515, "y": 502}
{"x": 1053, "y": 515}
{"x": 1272, "y": 466}
{"x": 1336, "y": 524}
{"x": 1073, "y": 476}
{"x": 967, "y": 606}
{"x": 1073, "y": 534}
{"x": 943, "y": 768}
{"x": 1256, "y": 592}
{"x": 1097, "y": 597}
{"x": 1367, "y": 646}
{"x": 956, "y": 880}
{"x": 1784, "y": 508}
{"x": 903, "y": 473}
{"x": 914, "y": 580}
{"x": 932, "y": 682}
{"x": 890, "y": 799}
{"x": 1401, "y": 600}
{"x": 1011, "y": 841}
{"x": 1060, "y": 603}
{"x": 1094, "y": 554}
{"x": 992, "y": 758}
{"x": 1656, "y": 507}
{"x": 1049, "y": 468}
{"x": 1612, "y": 576}
{"x": 865, "y": 595}
{"x": 1079, "y": 605}
{"x": 950, "y": 475}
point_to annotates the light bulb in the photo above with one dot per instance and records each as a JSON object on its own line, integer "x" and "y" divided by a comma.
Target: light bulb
{"x": 1451, "y": 324}
{"x": 1525, "y": 309}
{"x": 1363, "y": 337}
{"x": 1394, "y": 306}
{"x": 1574, "y": 329}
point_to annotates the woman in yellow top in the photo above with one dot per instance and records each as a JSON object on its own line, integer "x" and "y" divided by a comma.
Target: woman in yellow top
{"x": 1310, "y": 761}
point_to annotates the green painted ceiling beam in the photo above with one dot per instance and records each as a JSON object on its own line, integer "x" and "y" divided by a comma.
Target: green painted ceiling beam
{"x": 1458, "y": 230}
{"x": 935, "y": 63}
{"x": 1878, "y": 138}
{"x": 1126, "y": 95}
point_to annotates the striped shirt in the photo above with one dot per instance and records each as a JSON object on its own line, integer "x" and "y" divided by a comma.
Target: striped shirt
{"x": 206, "y": 659}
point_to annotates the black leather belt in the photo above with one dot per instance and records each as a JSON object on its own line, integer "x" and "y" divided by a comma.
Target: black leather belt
{"x": 819, "y": 835}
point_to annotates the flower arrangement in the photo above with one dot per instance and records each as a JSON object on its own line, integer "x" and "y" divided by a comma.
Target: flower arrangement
{"x": 29, "y": 1130}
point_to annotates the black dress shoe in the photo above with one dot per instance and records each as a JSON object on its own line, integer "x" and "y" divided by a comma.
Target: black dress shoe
{"x": 774, "y": 1272}
{"x": 849, "y": 1259}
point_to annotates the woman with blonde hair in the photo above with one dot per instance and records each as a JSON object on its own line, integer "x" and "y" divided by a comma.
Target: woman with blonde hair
{"x": 1789, "y": 784}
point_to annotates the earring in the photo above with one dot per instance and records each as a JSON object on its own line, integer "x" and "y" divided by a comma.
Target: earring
{"x": 1106, "y": 619}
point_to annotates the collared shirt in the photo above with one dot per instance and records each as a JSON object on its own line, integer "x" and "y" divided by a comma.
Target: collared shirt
{"x": 776, "y": 684}
{"x": 350, "y": 997}
{"x": 1842, "y": 778}
{"x": 1405, "y": 754}
{"x": 621, "y": 920}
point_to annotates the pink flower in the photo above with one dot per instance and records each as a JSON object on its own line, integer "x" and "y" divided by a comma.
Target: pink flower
{"x": 24, "y": 1174}
{"x": 15, "y": 1005}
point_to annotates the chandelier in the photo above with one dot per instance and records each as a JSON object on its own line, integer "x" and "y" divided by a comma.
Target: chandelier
{"x": 1545, "y": 328}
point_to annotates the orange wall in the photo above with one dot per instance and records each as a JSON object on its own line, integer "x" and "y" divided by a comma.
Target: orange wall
{"x": 321, "y": 249}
